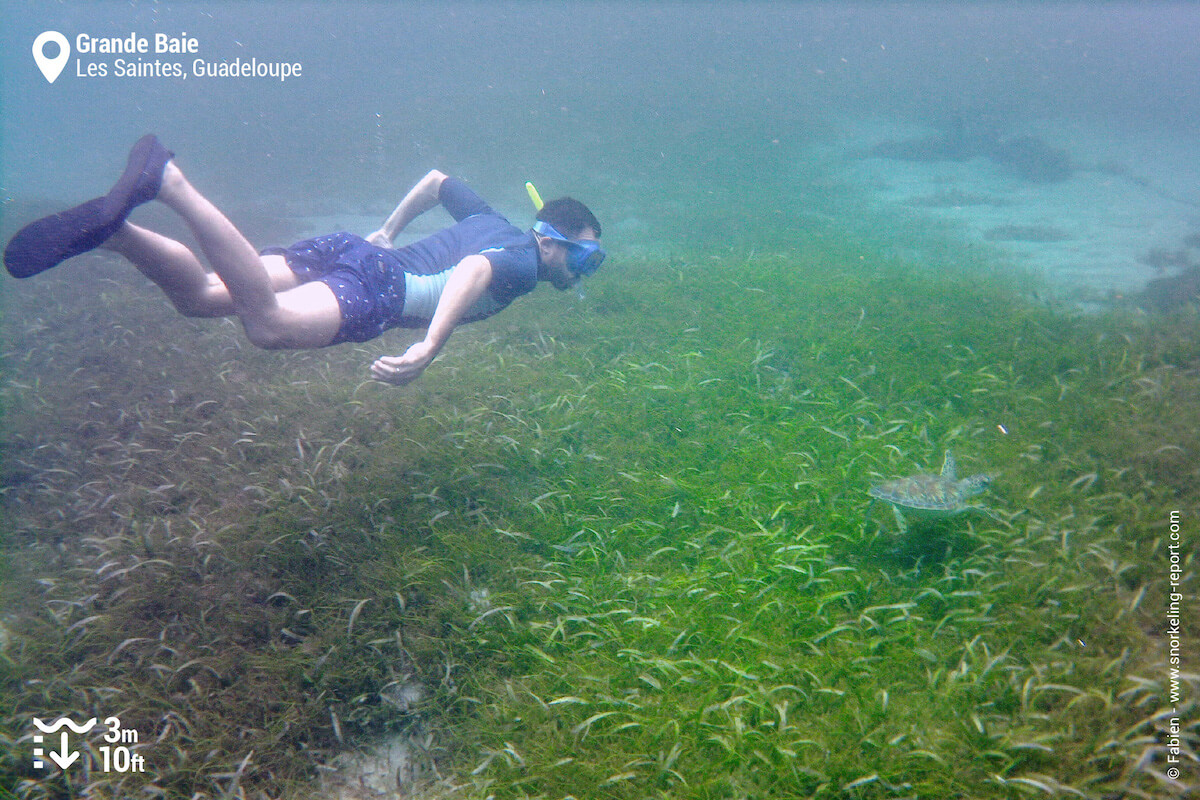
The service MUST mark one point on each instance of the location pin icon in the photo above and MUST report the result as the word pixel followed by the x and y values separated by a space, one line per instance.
pixel 51 67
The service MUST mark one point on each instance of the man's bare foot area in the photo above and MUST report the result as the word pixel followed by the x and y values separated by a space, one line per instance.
pixel 173 183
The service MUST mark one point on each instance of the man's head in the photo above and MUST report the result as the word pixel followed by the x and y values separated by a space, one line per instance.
pixel 570 217
pixel 568 235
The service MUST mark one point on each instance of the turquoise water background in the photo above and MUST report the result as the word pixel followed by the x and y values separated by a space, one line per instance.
pixel 609 100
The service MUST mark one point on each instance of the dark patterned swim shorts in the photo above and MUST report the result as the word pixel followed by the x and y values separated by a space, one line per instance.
pixel 367 280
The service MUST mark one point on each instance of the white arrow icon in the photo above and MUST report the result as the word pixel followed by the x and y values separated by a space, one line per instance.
pixel 51 67
pixel 65 758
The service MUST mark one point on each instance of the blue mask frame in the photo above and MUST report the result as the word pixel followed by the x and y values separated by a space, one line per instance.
pixel 584 256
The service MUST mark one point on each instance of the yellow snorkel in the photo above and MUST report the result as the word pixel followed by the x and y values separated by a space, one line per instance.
pixel 534 197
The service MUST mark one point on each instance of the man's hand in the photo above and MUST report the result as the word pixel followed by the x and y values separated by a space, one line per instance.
pixel 380 238
pixel 419 199
pixel 399 370
pixel 467 282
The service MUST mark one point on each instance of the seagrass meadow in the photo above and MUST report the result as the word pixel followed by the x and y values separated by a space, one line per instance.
pixel 617 546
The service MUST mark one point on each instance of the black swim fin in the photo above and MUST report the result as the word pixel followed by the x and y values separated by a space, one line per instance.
pixel 51 240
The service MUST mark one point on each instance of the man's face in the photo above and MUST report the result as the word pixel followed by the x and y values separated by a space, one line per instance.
pixel 554 260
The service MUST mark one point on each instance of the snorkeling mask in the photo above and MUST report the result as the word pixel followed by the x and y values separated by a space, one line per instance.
pixel 584 256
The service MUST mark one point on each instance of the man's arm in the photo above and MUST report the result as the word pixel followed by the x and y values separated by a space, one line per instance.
pixel 468 281
pixel 419 199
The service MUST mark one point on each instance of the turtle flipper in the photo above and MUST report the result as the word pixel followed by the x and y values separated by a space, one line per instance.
pixel 949 467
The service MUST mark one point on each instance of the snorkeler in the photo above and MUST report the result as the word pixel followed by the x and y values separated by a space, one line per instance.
pixel 331 289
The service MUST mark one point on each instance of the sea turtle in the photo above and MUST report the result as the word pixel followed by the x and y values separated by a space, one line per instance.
pixel 938 495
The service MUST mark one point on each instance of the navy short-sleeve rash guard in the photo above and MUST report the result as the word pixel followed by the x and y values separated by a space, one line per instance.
pixel 478 229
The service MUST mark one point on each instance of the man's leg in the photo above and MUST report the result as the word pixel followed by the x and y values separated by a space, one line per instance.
pixel 193 290
pixel 174 268
pixel 306 316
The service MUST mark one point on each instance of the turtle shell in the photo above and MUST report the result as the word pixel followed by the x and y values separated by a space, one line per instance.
pixel 925 492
